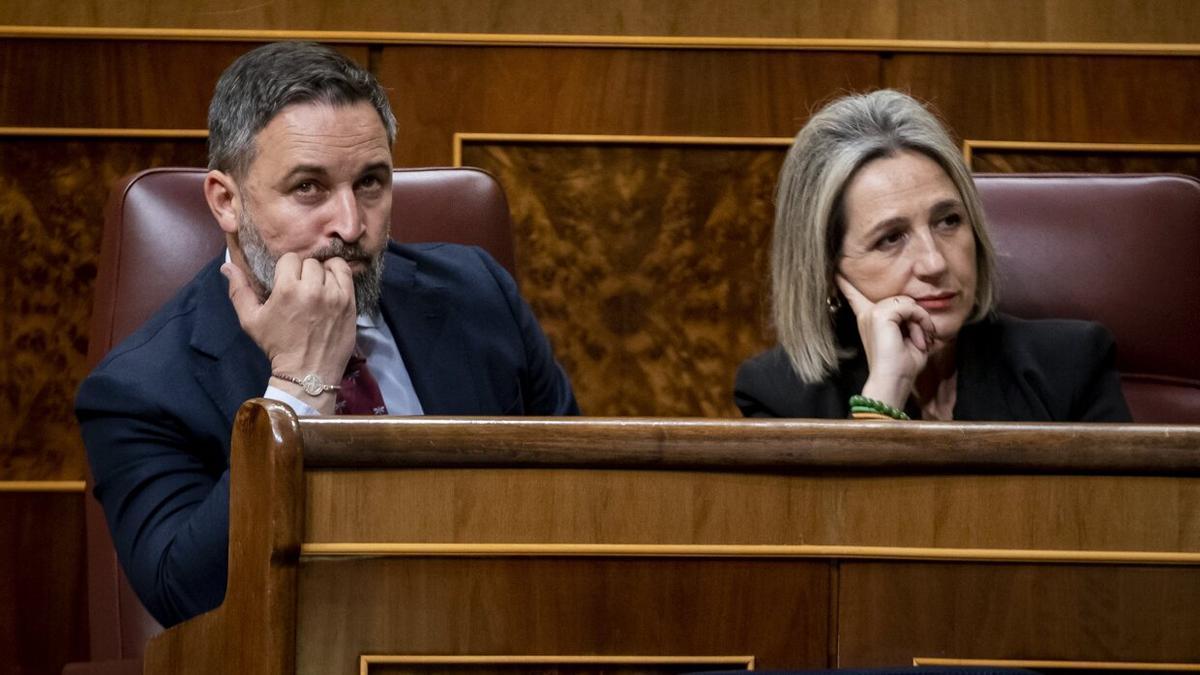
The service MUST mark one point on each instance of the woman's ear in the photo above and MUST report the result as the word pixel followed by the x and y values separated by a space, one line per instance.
pixel 224 200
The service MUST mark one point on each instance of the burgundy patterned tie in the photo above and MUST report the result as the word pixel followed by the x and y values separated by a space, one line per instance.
pixel 360 393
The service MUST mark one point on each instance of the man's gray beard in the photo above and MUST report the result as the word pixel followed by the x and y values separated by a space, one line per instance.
pixel 367 283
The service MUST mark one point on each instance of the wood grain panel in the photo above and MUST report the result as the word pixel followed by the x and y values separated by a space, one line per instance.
pixel 1057 98
pixel 892 612
pixel 52 196
pixel 678 507
pixel 1033 160
pixel 1061 20
pixel 438 91
pixel 109 83
pixel 570 606
pixel 548 665
pixel 43 608
pixel 1048 20
pixel 646 265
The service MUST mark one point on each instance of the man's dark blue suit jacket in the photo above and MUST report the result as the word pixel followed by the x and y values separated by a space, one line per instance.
pixel 157 413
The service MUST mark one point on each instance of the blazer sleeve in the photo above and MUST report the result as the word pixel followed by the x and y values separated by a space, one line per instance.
pixel 545 388
pixel 1099 398
pixel 165 499
pixel 755 391
pixel 767 386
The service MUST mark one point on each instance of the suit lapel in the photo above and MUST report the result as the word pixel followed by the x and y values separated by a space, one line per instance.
pixel 415 308
pixel 229 365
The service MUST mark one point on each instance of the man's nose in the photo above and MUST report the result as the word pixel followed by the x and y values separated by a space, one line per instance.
pixel 346 219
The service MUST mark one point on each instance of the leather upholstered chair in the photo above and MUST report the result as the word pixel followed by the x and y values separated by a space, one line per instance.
pixel 158 233
pixel 1121 249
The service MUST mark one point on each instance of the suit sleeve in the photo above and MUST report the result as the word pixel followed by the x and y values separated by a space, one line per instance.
pixel 545 388
pixel 167 507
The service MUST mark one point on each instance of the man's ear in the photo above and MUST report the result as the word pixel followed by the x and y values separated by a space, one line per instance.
pixel 224 200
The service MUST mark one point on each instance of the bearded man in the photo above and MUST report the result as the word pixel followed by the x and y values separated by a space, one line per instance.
pixel 311 305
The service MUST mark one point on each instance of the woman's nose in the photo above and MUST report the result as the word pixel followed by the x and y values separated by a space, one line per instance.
pixel 929 261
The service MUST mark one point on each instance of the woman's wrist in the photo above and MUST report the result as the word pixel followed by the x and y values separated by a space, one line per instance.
pixel 863 408
pixel 890 391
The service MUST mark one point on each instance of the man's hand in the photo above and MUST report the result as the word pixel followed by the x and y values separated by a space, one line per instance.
pixel 307 323
pixel 897 335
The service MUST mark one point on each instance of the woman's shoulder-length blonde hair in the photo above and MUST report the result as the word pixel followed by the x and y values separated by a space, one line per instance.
pixel 809 223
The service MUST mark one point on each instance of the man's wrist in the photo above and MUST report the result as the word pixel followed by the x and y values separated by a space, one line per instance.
pixel 323 402
pixel 310 383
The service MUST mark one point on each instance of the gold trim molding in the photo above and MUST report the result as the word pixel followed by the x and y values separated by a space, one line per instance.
pixel 102 132
pixel 365 661
pixel 463 137
pixel 42 486
pixel 485 550
pixel 611 41
pixel 970 146
pixel 1049 664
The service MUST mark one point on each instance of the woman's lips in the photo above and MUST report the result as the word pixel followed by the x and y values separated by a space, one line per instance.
pixel 934 303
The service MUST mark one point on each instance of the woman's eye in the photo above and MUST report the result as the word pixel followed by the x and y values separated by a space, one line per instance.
pixel 951 221
pixel 890 240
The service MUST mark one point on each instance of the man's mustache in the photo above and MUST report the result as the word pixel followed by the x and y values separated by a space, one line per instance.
pixel 340 249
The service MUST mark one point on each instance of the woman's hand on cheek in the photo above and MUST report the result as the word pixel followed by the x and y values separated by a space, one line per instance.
pixel 897 335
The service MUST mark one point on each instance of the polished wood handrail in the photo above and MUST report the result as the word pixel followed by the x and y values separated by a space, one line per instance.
pixel 751 445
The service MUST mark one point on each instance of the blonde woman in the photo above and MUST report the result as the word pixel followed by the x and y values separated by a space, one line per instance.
pixel 883 291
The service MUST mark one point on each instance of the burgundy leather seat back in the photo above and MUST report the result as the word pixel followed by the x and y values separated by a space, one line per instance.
pixel 1123 250
pixel 158 233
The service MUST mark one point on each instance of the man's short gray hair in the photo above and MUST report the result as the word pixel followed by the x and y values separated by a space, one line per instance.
pixel 810 223
pixel 264 81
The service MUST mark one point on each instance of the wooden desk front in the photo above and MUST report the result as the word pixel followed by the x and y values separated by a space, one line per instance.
pixel 632 545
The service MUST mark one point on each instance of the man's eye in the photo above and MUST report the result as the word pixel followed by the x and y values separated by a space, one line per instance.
pixel 369 183
pixel 305 187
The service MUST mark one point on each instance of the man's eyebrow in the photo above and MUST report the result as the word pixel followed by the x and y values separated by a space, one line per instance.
pixel 377 166
pixel 304 170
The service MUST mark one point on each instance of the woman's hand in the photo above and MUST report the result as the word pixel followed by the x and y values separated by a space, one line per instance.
pixel 897 335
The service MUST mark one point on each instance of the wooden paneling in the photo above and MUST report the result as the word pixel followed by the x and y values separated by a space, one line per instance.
pixel 1030 20
pixel 438 91
pixel 646 264
pixel 563 664
pixel 52 196
pixel 655 224
pixel 675 508
pixel 42 588
pixel 124 84
pixel 893 612
pixel 1057 98
pixel 515 606
pixel 1099 160
pixel 879 609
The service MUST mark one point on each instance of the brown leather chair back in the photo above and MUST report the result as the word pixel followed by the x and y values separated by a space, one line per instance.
pixel 158 233
pixel 1121 249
